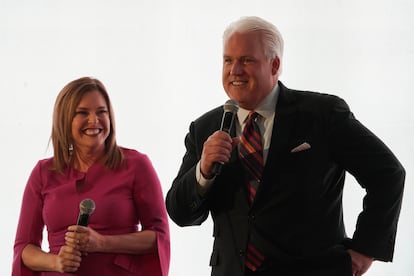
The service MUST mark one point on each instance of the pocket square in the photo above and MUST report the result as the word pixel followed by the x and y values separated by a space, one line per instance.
pixel 301 147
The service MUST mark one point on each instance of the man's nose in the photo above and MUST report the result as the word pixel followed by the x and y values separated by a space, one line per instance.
pixel 236 68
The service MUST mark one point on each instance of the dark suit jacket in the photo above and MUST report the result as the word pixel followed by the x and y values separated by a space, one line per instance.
pixel 296 218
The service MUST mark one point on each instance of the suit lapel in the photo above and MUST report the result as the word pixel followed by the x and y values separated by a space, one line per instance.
pixel 284 123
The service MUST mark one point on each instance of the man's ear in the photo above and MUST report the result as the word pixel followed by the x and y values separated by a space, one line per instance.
pixel 275 65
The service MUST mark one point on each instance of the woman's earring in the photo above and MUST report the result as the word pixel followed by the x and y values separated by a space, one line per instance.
pixel 70 149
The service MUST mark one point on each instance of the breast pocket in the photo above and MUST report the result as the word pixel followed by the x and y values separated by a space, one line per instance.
pixel 297 162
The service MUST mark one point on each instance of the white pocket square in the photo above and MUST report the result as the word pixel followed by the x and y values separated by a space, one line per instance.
pixel 301 147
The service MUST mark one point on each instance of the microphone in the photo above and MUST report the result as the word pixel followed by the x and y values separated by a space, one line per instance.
pixel 86 208
pixel 230 108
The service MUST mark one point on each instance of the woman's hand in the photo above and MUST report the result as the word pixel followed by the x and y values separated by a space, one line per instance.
pixel 84 239
pixel 68 259
pixel 87 240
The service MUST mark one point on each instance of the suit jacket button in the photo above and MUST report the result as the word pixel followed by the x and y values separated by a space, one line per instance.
pixel 241 253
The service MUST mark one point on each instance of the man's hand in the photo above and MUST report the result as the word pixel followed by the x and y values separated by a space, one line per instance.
pixel 217 148
pixel 360 262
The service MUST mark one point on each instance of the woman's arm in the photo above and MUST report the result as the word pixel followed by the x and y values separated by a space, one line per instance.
pixel 88 240
pixel 67 260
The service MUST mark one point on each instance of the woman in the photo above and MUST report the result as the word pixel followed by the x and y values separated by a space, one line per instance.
pixel 128 231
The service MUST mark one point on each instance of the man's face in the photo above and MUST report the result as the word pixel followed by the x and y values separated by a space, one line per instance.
pixel 248 76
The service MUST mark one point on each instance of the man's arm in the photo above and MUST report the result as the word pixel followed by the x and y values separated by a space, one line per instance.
pixel 379 172
pixel 184 203
pixel 205 146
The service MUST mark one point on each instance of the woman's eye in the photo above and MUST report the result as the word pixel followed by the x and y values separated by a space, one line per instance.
pixel 83 113
pixel 103 111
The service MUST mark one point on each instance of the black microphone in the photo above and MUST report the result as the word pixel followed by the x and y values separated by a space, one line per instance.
pixel 230 110
pixel 86 208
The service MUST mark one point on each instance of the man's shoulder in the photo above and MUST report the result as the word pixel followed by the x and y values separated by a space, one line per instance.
pixel 217 111
pixel 211 117
pixel 311 95
pixel 310 98
pixel 209 121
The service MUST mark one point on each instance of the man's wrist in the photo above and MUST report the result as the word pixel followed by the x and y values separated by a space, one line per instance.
pixel 203 180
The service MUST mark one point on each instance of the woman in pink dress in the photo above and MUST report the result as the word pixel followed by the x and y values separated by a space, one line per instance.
pixel 127 234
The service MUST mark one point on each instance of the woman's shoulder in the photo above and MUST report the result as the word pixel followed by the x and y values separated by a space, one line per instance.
pixel 134 158
pixel 132 154
pixel 46 162
pixel 43 168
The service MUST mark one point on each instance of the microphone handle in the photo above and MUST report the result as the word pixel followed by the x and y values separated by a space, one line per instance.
pixel 226 124
pixel 217 168
pixel 227 121
pixel 83 219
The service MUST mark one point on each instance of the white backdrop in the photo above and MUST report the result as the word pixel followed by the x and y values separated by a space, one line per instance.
pixel 161 62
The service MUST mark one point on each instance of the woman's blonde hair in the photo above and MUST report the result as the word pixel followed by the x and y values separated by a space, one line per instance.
pixel 63 113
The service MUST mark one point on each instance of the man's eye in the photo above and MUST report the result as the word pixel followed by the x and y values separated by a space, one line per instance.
pixel 247 60
pixel 227 60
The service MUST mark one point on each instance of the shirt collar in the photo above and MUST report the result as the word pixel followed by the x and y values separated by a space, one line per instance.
pixel 266 108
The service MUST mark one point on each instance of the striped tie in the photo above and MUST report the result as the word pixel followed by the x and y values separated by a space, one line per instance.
pixel 251 156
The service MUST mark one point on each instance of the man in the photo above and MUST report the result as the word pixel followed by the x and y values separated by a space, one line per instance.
pixel 277 202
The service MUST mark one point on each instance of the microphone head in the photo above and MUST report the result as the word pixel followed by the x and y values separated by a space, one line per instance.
pixel 87 206
pixel 231 106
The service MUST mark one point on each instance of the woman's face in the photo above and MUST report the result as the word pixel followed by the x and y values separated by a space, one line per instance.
pixel 91 123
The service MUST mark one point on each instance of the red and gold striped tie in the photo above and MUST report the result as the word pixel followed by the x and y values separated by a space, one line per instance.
pixel 251 156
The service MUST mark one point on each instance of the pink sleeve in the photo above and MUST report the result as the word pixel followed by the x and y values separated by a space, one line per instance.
pixel 152 212
pixel 30 225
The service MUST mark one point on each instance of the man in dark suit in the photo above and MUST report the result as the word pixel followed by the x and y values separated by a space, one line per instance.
pixel 284 216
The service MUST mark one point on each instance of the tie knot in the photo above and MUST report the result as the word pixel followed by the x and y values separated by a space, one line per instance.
pixel 253 115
